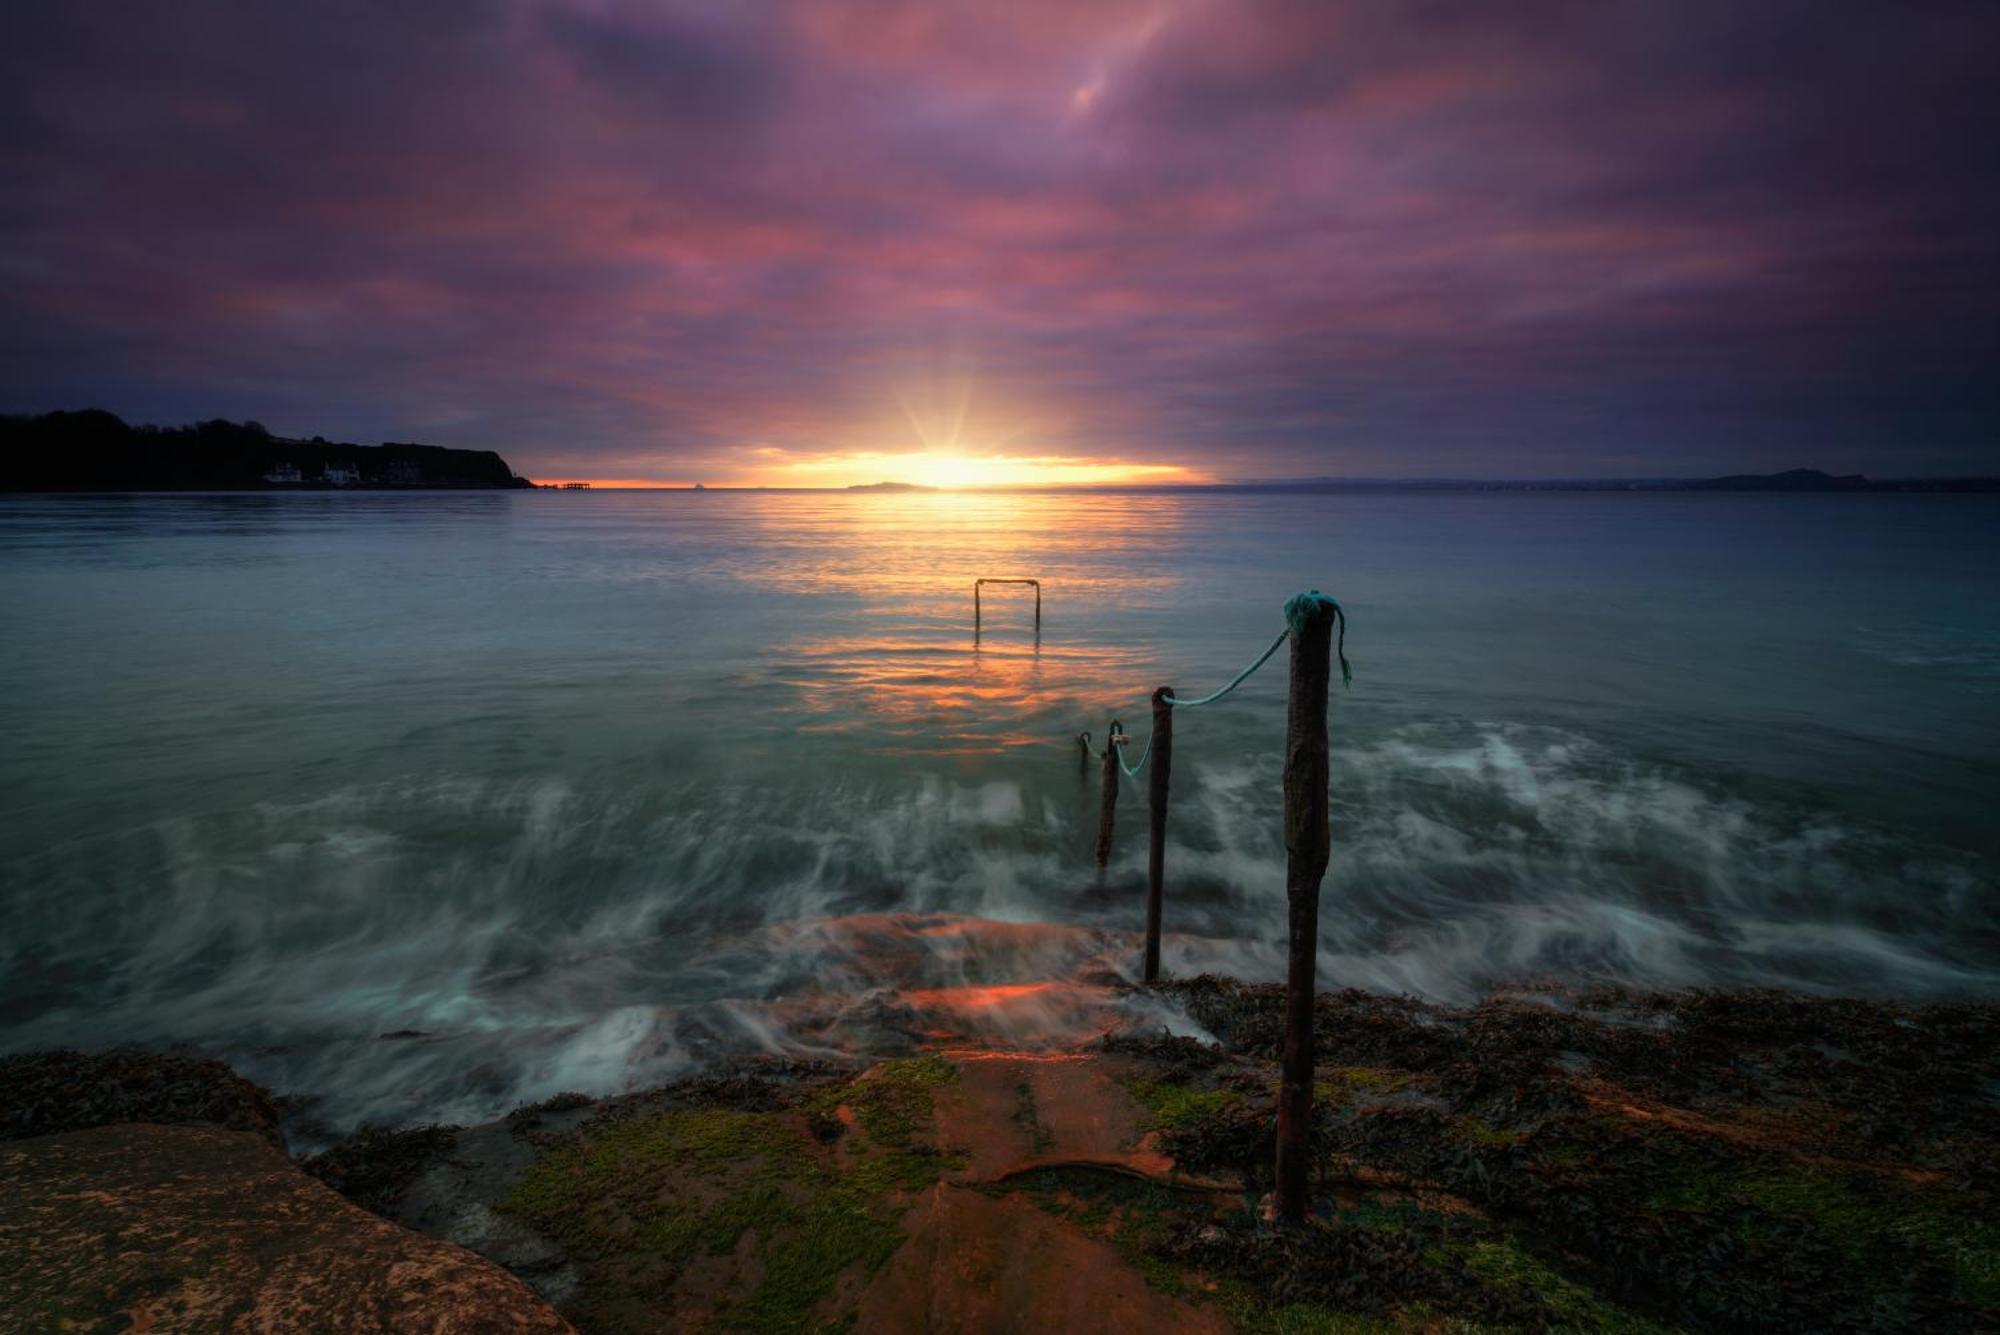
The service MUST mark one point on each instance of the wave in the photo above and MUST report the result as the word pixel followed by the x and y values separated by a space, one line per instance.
pixel 447 948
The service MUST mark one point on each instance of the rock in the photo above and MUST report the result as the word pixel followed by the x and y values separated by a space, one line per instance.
pixel 44 1093
pixel 1011 1113
pixel 453 1199
pixel 375 1165
pixel 197 1228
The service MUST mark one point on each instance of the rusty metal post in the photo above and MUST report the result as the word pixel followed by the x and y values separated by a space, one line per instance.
pixel 1307 845
pixel 978 611
pixel 1107 812
pixel 1156 810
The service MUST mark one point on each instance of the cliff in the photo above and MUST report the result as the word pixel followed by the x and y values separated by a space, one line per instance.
pixel 96 451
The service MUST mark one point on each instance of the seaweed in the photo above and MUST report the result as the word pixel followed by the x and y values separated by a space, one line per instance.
pixel 1175 1056
pixel 47 1093
pixel 375 1166
pixel 1712 1161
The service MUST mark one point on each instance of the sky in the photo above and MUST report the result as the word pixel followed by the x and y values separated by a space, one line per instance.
pixel 826 243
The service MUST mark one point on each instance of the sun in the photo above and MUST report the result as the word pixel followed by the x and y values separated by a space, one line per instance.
pixel 965 471
pixel 946 445
pixel 1041 470
pixel 950 470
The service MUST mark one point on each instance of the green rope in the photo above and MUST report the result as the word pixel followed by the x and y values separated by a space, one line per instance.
pixel 1239 679
pixel 1131 770
pixel 1298 611
pixel 1300 606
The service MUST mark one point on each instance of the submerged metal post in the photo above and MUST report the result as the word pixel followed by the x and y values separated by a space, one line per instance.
pixel 978 612
pixel 1107 811
pixel 1307 846
pixel 1156 809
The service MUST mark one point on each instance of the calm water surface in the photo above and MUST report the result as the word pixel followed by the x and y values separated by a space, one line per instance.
pixel 580 790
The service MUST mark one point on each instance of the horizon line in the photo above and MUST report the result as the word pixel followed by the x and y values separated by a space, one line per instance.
pixel 1243 484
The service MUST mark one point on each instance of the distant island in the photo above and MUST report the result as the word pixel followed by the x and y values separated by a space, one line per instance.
pixel 1795 479
pixel 889 486
pixel 95 450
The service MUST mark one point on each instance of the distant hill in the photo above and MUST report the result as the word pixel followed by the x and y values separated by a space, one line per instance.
pixel 95 450
pixel 1796 479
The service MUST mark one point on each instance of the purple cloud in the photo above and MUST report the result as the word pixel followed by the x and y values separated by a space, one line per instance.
pixel 636 240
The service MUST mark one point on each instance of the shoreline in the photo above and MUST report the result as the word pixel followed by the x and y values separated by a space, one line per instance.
pixel 1596 1158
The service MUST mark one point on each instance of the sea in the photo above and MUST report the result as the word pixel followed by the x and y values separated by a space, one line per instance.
pixel 418 806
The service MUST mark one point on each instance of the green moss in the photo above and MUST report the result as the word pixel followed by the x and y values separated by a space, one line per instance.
pixel 1348 1082
pixel 1396 1217
pixel 892 1100
pixel 1505 1266
pixel 1249 1316
pixel 1028 1117
pixel 1970 1246
pixel 1561 1159
pixel 688 1182
pixel 1810 1194
pixel 1858 1214
pixel 908 1170
pixel 1356 1084
pixel 1789 1193
pixel 841 1229
pixel 1131 1214
pixel 1483 1133
pixel 606 1195
pixel 1302 1319
pixel 1171 1105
